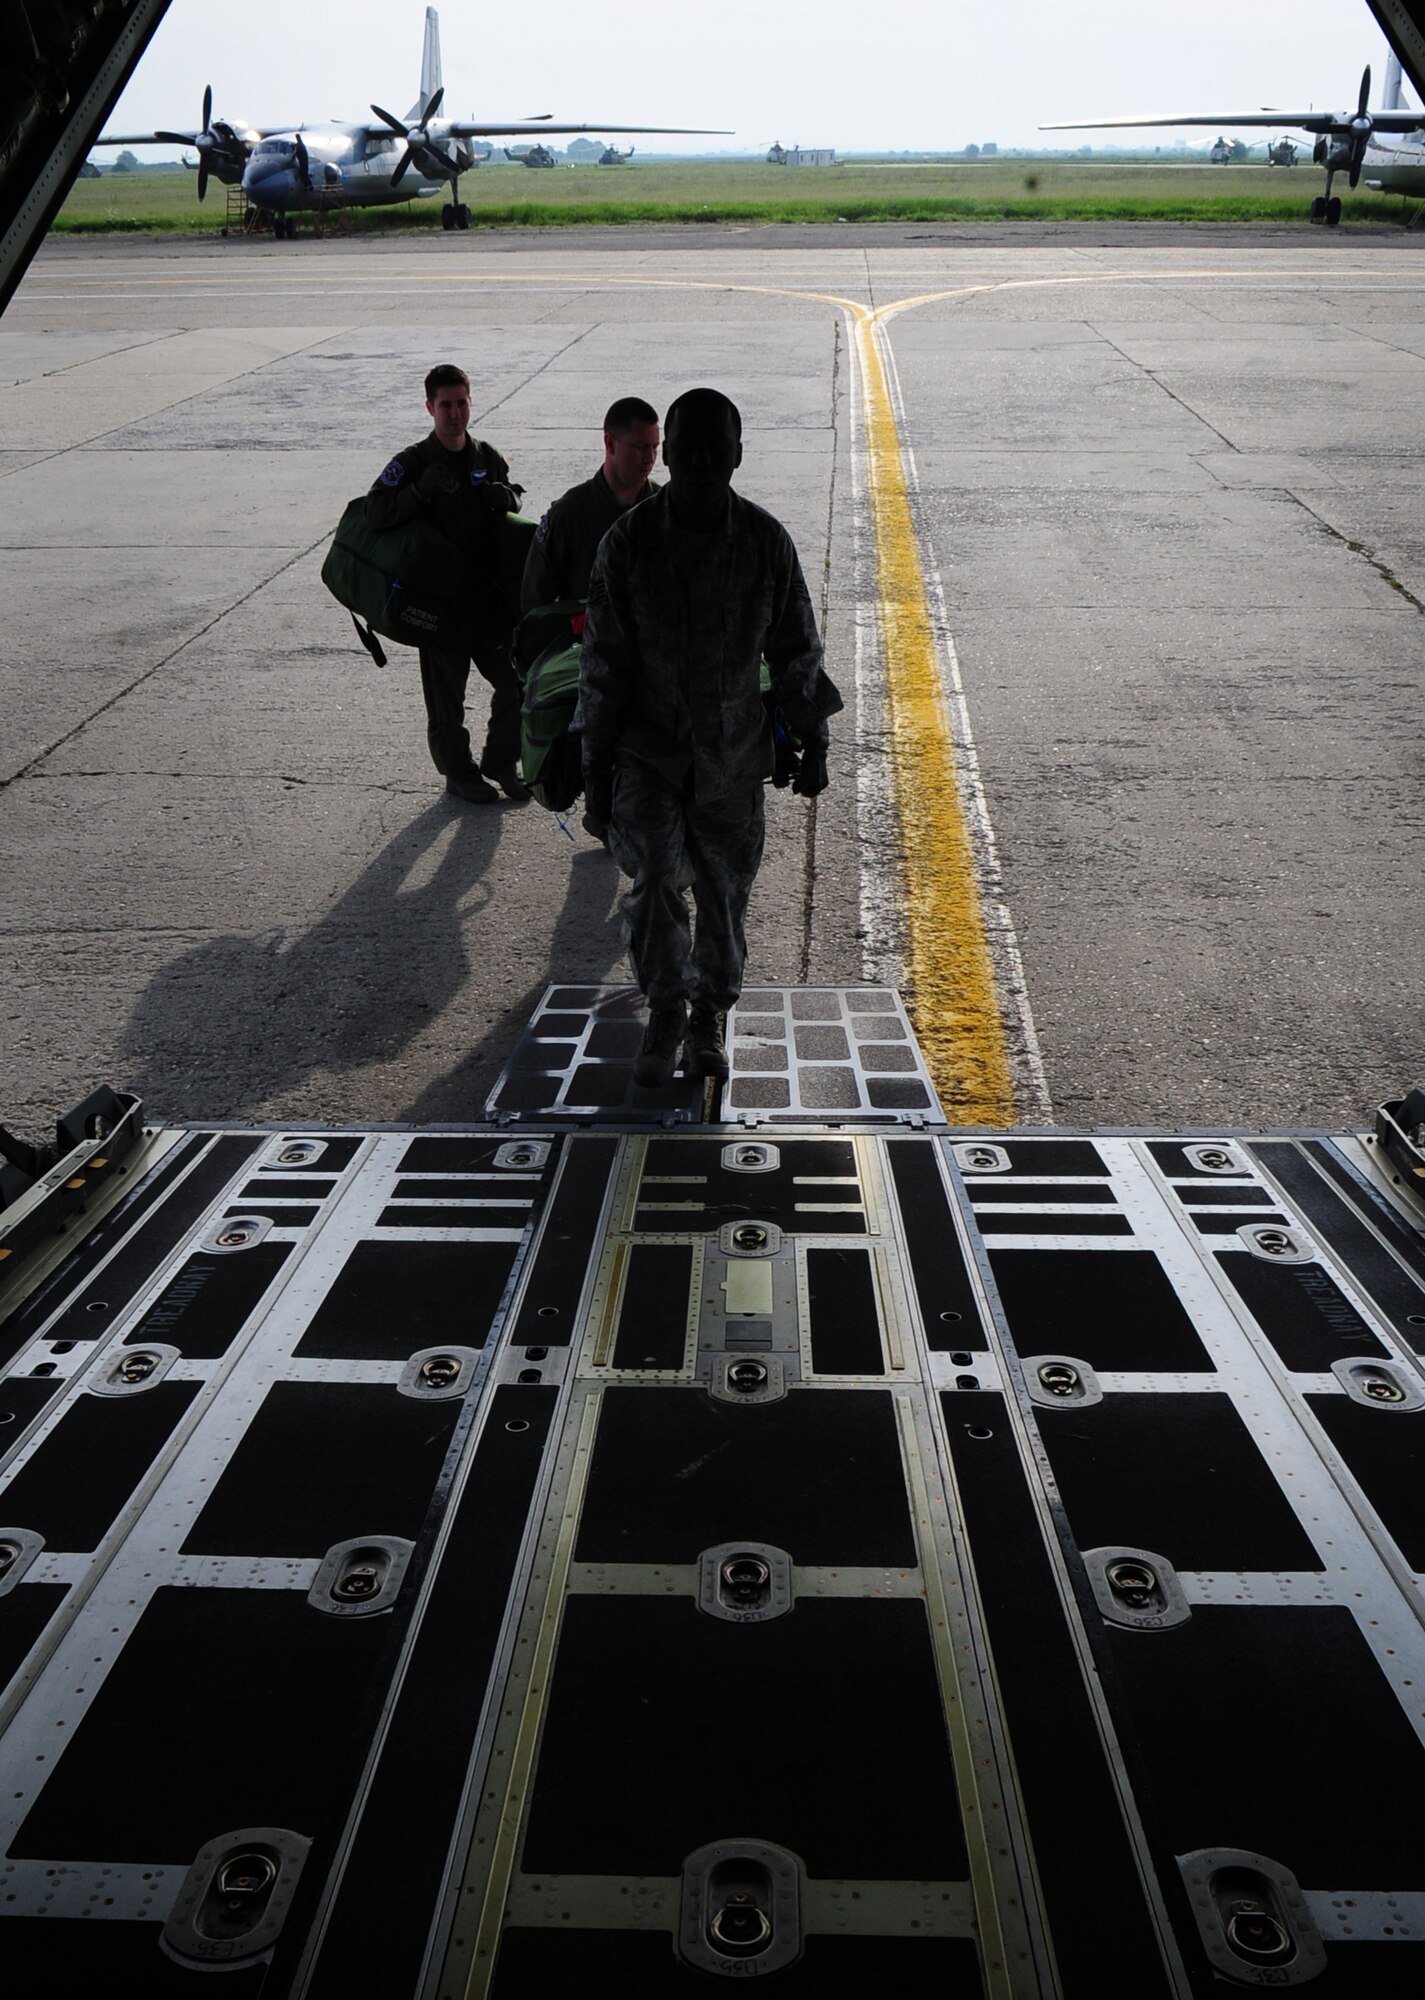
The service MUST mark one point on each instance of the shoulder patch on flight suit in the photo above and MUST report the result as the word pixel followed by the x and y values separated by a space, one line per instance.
pixel 541 533
pixel 478 473
pixel 393 475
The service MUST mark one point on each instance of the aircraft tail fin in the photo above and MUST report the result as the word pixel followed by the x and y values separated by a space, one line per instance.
pixel 430 66
pixel 1393 96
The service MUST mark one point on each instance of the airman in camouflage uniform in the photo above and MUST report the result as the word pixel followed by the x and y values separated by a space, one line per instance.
pixel 690 592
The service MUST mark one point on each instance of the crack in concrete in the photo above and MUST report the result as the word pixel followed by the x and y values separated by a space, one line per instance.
pixel 79 727
pixel 1159 383
pixel 547 363
pixel 1382 570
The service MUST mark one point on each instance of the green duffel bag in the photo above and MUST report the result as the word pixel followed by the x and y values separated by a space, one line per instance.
pixel 550 753
pixel 513 535
pixel 402 582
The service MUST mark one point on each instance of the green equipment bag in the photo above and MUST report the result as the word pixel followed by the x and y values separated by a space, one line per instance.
pixel 550 753
pixel 546 656
pixel 403 582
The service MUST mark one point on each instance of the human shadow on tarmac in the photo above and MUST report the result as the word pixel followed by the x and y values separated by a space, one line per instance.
pixel 239 1022
pixel 585 947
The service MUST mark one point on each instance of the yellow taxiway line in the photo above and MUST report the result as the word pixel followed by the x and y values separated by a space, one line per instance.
pixel 953 998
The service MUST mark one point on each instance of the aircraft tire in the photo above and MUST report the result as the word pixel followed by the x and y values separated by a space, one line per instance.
pixel 1318 209
pixel 447 220
pixel 462 216
pixel 1333 211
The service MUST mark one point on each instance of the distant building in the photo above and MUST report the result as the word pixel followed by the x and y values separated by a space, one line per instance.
pixel 779 155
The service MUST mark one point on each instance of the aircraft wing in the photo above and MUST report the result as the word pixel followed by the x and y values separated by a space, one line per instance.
pixel 470 128
pixel 247 134
pixel 1301 121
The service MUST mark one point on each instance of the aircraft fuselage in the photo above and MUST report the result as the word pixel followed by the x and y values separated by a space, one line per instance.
pixel 1395 169
pixel 331 166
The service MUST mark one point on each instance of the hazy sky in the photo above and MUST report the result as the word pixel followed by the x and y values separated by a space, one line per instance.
pixel 931 74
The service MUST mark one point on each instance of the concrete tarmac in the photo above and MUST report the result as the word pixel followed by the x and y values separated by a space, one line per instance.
pixel 1167 495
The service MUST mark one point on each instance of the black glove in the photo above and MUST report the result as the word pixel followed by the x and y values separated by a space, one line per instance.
pixel 496 498
pixel 811 778
pixel 436 482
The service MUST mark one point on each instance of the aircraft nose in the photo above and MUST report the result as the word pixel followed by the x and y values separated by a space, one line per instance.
pixel 260 171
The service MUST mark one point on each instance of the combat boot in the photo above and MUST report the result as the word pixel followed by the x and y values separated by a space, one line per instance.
pixel 509 781
pixel 472 788
pixel 706 1048
pixel 662 1039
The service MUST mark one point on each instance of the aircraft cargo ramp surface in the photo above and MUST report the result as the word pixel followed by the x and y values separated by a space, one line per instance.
pixel 636 1539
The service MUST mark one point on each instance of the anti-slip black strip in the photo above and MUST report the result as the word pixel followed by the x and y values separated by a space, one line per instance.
pixel 676 1471
pixel 209 1299
pixel 1052 1156
pixel 1059 1755
pixel 22 1397
pixel 415 1793
pixel 1323 1203
pixel 653 1319
pixel 627 1784
pixel 1115 1309
pixel 1301 1310
pixel 96 1301
pixel 1277 1722
pixel 267 1187
pixel 1008 1189
pixel 1180 1475
pixel 452 1215
pixel 841 1306
pixel 993 1223
pixel 948 1309
pixel 212 1652
pixel 459 1153
pixel 321 1462
pixel 82 1474
pixel 1384 1445
pixel 566 1243
pixel 391 1299
pixel 24 1613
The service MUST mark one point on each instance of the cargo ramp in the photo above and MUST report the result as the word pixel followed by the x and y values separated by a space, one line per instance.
pixel 758 1533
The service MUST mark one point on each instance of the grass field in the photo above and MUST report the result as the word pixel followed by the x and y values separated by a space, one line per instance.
pixel 750 192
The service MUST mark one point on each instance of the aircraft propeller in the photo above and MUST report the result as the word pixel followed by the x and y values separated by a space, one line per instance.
pixel 1362 126
pixel 417 136
pixel 213 143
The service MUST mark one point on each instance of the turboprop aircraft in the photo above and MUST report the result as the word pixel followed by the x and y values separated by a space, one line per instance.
pixel 287 169
pixel 1344 140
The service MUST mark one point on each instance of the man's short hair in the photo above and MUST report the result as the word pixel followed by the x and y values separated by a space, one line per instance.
pixel 708 403
pixel 620 417
pixel 445 375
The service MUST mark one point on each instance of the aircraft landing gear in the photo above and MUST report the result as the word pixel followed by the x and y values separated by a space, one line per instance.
pixel 284 228
pixel 455 215
pixel 1327 208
